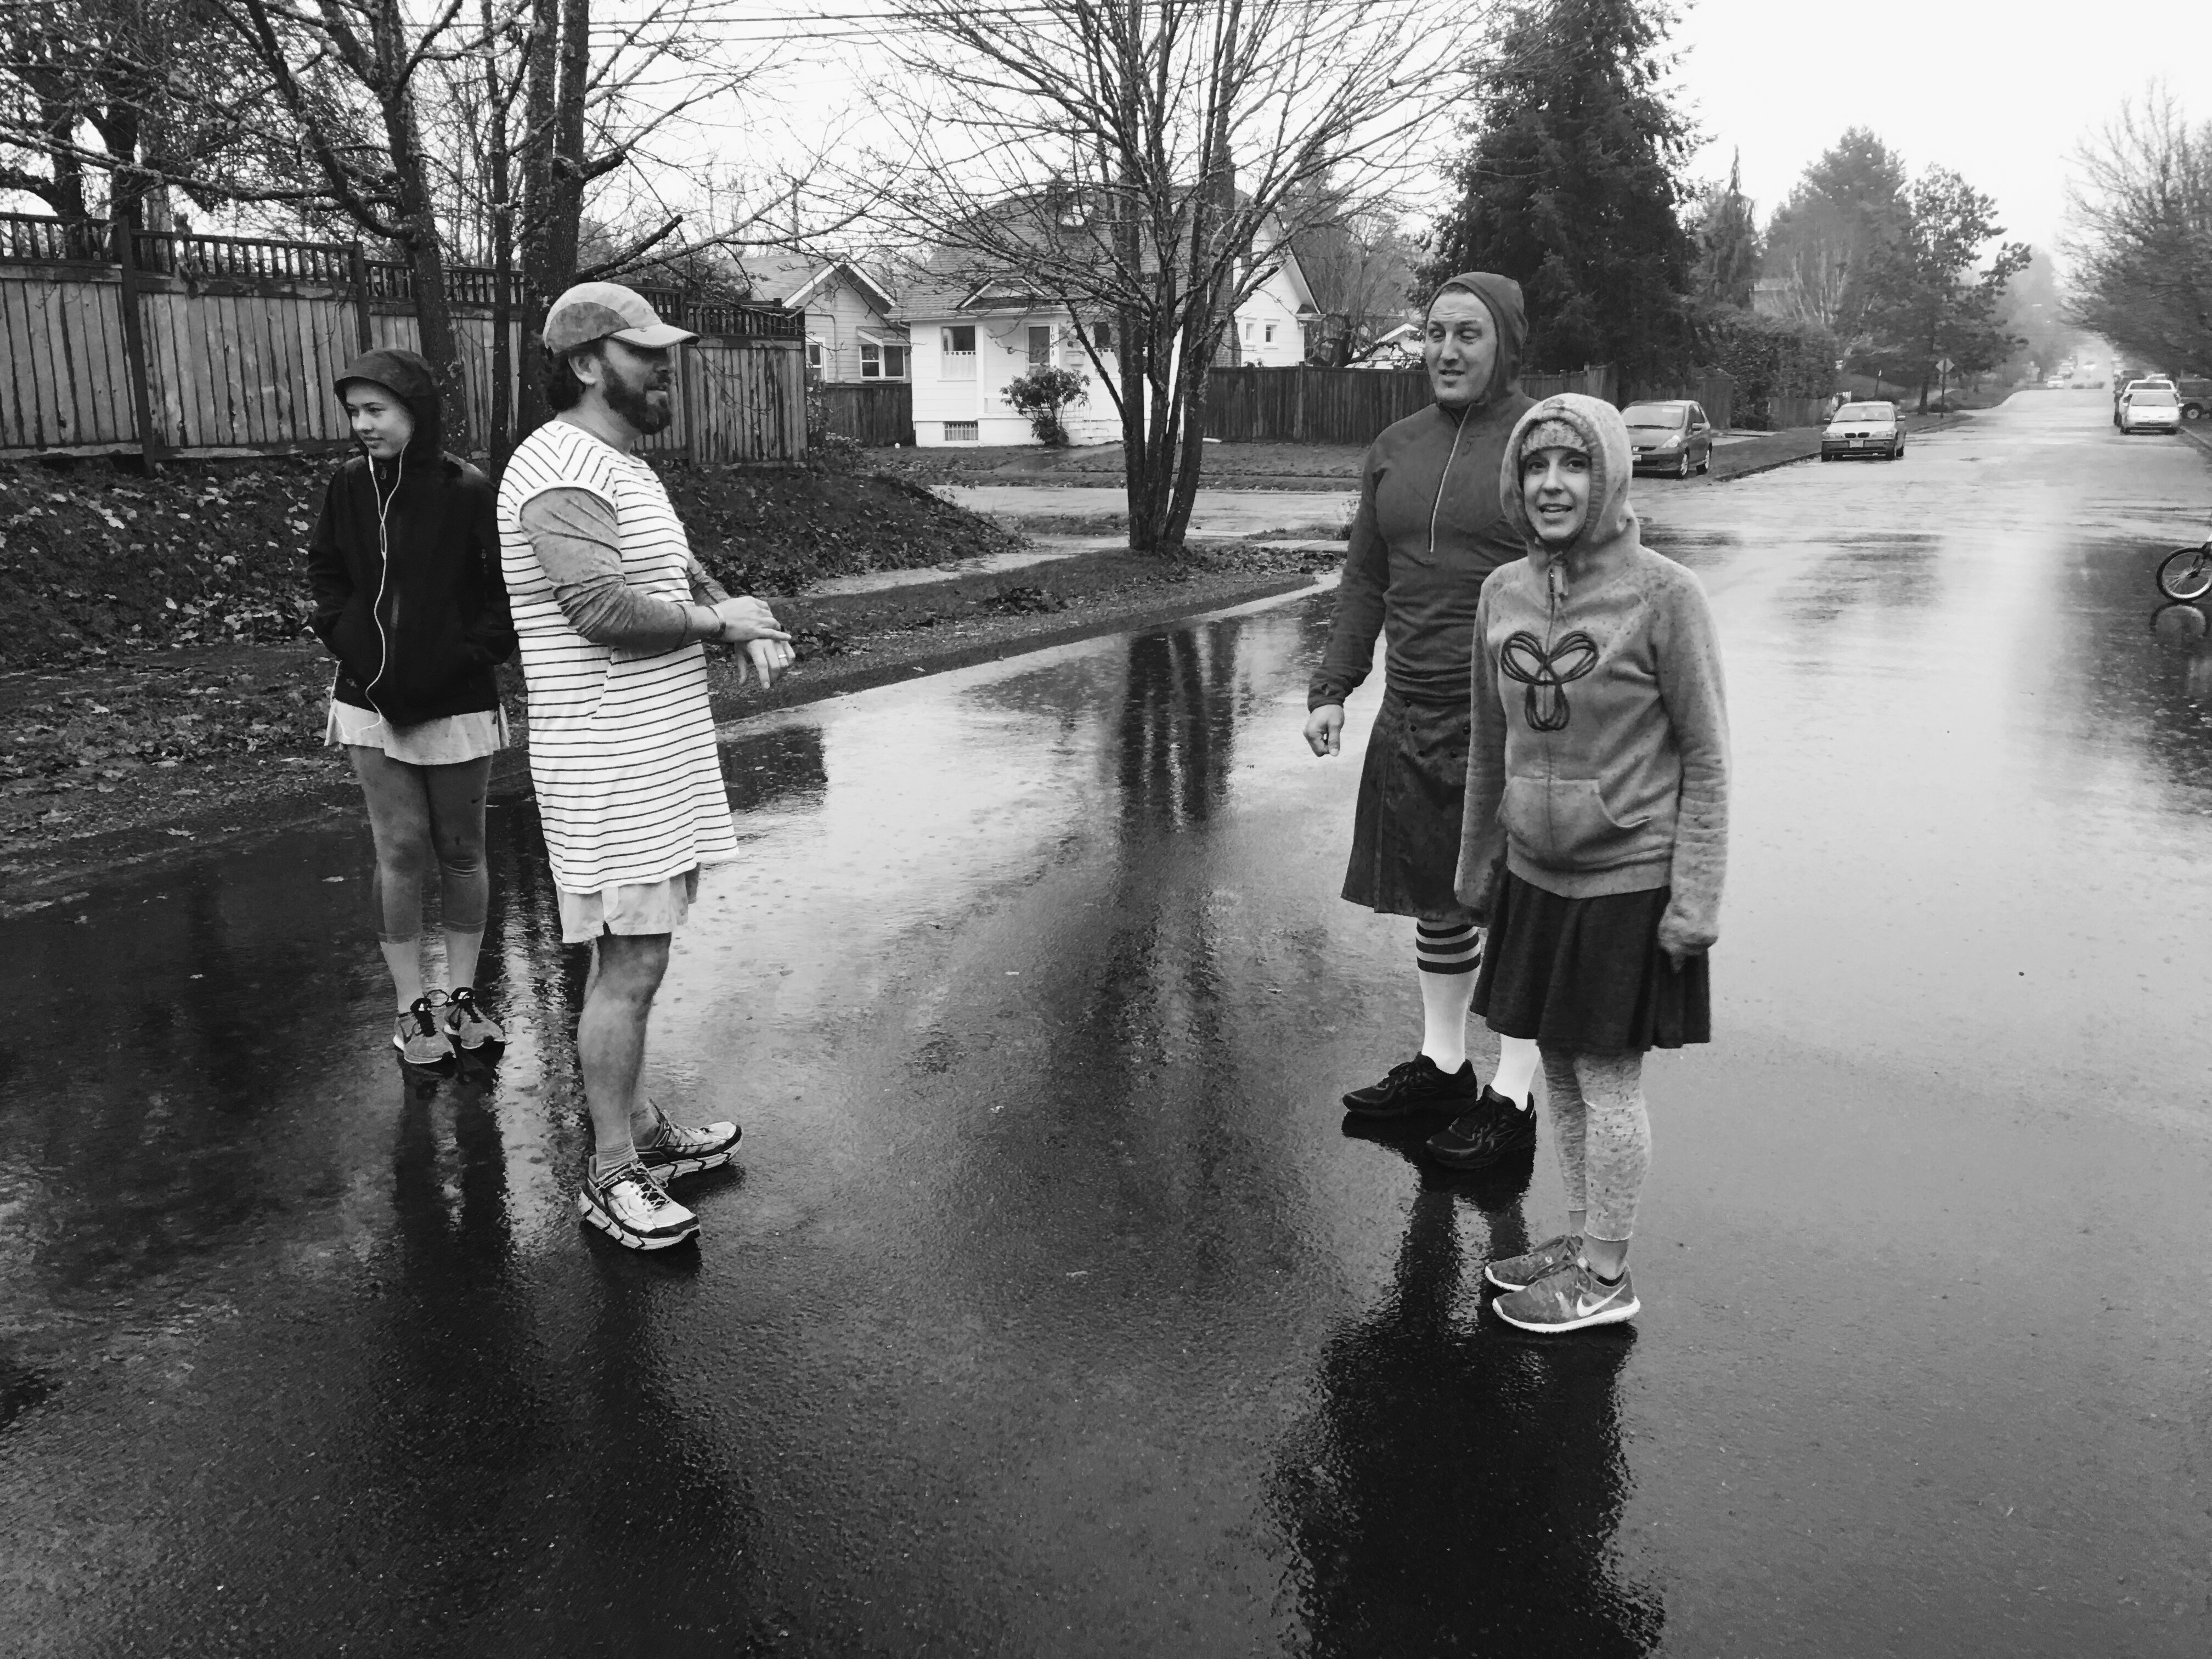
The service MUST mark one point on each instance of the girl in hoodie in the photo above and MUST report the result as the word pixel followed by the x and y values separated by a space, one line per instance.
pixel 1429 532
pixel 408 597
pixel 1595 834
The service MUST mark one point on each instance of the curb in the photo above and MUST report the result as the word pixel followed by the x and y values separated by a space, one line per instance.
pixel 102 860
pixel 1940 423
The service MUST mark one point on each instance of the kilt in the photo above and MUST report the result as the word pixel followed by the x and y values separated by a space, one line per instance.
pixel 1406 829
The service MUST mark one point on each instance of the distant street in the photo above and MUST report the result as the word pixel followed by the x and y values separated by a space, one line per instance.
pixel 1053 1311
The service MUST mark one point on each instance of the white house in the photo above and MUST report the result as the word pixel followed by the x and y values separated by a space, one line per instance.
pixel 850 333
pixel 970 340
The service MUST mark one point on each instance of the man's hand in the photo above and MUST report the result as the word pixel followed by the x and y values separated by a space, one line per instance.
pixel 746 618
pixel 1324 729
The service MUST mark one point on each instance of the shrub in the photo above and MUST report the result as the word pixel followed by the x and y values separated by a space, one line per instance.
pixel 1767 357
pixel 1042 394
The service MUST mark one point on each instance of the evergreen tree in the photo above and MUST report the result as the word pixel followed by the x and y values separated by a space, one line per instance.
pixel 1727 237
pixel 1571 183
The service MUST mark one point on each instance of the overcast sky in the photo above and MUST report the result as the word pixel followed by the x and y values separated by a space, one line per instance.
pixel 2002 93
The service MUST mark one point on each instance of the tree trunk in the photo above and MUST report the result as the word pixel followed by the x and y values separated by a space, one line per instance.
pixel 426 263
pixel 541 93
pixel 500 440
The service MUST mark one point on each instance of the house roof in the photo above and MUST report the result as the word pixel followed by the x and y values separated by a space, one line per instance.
pixel 791 279
pixel 1066 220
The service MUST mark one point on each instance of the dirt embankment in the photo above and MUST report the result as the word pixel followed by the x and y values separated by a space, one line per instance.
pixel 96 562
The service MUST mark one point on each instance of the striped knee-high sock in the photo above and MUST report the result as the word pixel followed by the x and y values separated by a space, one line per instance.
pixel 1448 947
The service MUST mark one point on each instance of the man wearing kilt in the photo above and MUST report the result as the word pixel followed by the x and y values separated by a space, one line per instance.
pixel 1428 533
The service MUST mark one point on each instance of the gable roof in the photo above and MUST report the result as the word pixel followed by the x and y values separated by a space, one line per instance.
pixel 790 278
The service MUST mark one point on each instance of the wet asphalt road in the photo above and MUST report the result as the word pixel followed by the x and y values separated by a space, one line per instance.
pixel 1054 1311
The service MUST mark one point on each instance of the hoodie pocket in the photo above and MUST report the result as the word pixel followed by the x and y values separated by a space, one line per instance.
pixel 1563 823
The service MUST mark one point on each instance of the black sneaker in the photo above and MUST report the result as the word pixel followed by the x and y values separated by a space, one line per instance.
pixel 1418 1085
pixel 1496 1128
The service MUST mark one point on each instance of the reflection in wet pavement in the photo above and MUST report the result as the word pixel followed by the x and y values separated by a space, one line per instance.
pixel 1053 1312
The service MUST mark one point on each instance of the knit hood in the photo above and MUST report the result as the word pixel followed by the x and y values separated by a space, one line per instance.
pixel 1605 439
pixel 1501 297
pixel 407 376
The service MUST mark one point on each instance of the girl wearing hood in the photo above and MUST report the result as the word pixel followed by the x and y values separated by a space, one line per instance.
pixel 1596 834
pixel 408 597
pixel 1429 532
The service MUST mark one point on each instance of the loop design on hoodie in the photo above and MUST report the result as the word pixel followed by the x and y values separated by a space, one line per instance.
pixel 1546 674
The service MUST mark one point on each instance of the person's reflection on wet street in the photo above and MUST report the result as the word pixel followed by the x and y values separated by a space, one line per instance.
pixel 1458 1486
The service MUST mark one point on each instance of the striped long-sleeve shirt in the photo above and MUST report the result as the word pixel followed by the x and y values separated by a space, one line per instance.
pixel 621 738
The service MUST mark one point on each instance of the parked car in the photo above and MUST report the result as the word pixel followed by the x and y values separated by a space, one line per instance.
pixel 1671 436
pixel 2057 383
pixel 1866 429
pixel 2150 408
pixel 2195 398
pixel 2127 386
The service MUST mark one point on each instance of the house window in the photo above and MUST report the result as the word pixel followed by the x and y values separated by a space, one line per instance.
pixel 1103 332
pixel 1247 334
pixel 957 361
pixel 961 431
pixel 881 362
pixel 1040 347
pixel 813 355
pixel 1270 334
pixel 894 362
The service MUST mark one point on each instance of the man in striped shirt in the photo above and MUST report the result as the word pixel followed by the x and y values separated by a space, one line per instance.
pixel 614 614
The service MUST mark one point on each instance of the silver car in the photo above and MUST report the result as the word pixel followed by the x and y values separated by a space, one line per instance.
pixel 1864 430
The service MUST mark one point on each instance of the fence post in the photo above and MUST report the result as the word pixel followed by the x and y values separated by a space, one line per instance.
pixel 357 265
pixel 134 349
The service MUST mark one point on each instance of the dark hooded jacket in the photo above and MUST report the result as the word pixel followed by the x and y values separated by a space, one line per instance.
pixel 404 566
pixel 1429 531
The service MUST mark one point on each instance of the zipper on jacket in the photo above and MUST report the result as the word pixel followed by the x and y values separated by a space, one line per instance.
pixel 383 570
pixel 1443 478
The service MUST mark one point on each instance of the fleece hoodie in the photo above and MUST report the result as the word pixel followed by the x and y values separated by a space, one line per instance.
pixel 1429 531
pixel 1598 760
pixel 404 566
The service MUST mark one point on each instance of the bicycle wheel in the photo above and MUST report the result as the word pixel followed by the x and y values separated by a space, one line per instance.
pixel 2186 574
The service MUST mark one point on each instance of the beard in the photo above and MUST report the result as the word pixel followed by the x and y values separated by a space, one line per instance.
pixel 634 401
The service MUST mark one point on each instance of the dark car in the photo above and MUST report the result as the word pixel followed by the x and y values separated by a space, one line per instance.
pixel 1671 436
pixel 2195 398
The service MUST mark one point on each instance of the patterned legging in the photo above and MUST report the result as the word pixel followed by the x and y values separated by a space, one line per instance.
pixel 1604 1135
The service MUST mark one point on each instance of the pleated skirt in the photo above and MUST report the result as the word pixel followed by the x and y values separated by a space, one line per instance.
pixel 1587 974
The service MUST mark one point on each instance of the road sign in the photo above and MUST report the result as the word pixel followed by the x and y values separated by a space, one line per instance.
pixel 1944 366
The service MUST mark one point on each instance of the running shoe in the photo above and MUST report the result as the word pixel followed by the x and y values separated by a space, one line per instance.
pixel 1495 1128
pixel 628 1204
pixel 1415 1086
pixel 1569 1300
pixel 1517 1273
pixel 680 1150
pixel 467 1023
pixel 416 1033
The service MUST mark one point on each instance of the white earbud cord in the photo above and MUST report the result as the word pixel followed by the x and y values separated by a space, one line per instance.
pixel 384 563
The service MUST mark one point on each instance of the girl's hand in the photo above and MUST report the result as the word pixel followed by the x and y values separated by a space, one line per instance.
pixel 1324 729
pixel 769 657
pixel 1680 940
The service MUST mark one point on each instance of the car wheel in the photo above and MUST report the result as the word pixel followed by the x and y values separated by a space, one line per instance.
pixel 1705 465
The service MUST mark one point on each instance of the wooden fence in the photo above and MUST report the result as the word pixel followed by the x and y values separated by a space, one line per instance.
pixel 225 345
pixel 1344 405
pixel 877 414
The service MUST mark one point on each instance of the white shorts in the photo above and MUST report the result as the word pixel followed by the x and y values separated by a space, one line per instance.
pixel 644 907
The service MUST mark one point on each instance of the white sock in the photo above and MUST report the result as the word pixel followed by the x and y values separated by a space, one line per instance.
pixel 1444 998
pixel 1517 1070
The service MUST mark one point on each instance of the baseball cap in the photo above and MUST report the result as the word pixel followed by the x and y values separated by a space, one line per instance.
pixel 600 310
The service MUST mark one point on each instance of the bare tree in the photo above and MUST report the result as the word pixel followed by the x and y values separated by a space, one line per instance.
pixel 1142 163
pixel 2141 235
